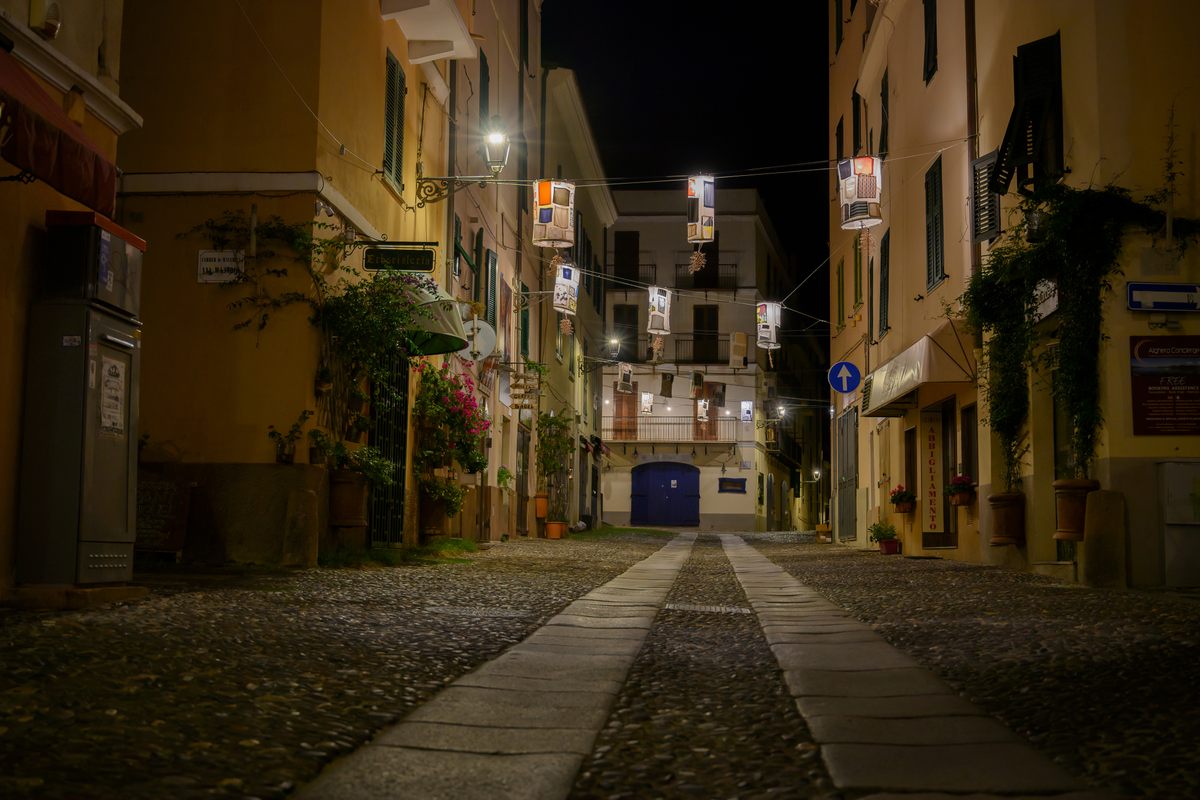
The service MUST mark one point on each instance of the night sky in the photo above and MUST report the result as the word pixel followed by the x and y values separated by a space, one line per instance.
pixel 673 88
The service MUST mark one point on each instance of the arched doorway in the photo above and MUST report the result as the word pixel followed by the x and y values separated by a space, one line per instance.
pixel 665 493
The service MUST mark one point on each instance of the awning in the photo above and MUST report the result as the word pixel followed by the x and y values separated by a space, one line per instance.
pixel 38 137
pixel 438 325
pixel 945 356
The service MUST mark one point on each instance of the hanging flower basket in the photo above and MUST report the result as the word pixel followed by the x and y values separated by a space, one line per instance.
pixel 903 500
pixel 961 490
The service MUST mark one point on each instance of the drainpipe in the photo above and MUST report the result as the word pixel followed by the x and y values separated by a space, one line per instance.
pixel 972 112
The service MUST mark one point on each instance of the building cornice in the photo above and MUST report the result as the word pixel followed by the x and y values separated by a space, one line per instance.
pixel 59 71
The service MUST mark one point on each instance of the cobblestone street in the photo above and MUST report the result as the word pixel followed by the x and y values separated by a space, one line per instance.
pixel 707 668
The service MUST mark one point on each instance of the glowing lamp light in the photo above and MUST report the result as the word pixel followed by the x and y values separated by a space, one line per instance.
pixel 701 209
pixel 495 147
pixel 659 320
pixel 767 315
pixel 860 189
pixel 566 289
pixel 553 213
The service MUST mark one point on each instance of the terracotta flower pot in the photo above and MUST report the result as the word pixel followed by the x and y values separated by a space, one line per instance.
pixel 347 499
pixel 1008 518
pixel 962 498
pixel 889 547
pixel 555 530
pixel 905 507
pixel 1070 507
pixel 541 504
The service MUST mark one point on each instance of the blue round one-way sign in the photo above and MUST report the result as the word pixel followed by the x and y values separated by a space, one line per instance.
pixel 844 377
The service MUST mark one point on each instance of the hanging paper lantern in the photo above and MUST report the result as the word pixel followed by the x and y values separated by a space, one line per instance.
pixel 566 288
pixel 697 389
pixel 702 410
pixel 647 402
pixel 768 325
pixel 860 188
pixel 701 210
pixel 624 378
pixel 553 213
pixel 659 320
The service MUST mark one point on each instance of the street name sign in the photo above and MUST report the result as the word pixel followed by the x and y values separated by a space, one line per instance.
pixel 1163 296
pixel 408 260
pixel 844 377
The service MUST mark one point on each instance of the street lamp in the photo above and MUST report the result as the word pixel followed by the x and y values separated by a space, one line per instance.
pixel 496 147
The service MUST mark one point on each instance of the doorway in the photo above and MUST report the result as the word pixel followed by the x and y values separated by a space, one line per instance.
pixel 847 478
pixel 665 493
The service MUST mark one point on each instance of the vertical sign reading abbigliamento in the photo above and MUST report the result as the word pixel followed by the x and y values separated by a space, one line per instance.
pixel 930 502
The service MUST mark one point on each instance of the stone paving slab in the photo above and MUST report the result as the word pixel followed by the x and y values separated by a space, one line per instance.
pixel 498 732
pixel 830 637
pixel 488 739
pixel 924 731
pixel 850 657
pixel 915 705
pixel 990 767
pixel 1085 795
pixel 865 683
pixel 378 771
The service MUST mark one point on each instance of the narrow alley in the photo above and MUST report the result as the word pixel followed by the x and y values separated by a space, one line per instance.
pixel 706 665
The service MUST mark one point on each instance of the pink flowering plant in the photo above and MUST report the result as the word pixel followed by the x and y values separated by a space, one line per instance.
pixel 960 484
pixel 451 428
pixel 902 495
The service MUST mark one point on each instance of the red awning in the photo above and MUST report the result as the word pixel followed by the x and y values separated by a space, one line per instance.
pixel 37 136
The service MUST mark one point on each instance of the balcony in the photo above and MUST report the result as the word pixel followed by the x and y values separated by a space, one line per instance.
pixel 714 276
pixel 646 273
pixel 654 429
pixel 678 349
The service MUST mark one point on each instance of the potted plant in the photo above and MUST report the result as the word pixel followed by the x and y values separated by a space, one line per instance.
pixel 354 471
pixel 322 381
pixel 884 533
pixel 451 428
pixel 320 447
pixel 554 451
pixel 960 490
pixel 285 443
pixel 903 500
pixel 503 478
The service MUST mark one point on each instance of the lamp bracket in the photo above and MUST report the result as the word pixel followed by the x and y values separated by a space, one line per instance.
pixel 436 189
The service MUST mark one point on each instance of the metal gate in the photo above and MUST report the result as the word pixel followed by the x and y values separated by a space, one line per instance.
pixel 847 480
pixel 390 435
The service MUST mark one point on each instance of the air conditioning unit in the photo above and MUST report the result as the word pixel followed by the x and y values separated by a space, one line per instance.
pixel 737 350
pixel 860 189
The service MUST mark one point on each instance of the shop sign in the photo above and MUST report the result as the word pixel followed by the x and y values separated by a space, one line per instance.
pixel 929 502
pixel 1165 381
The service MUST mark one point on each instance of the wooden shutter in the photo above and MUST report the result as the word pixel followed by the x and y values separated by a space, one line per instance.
pixel 985 204
pixel 930 39
pixel 1034 136
pixel 935 267
pixel 841 292
pixel 393 122
pixel 485 85
pixel 491 287
pixel 625 413
pixel 840 141
pixel 883 115
pixel 885 257
pixel 858 264
pixel 856 120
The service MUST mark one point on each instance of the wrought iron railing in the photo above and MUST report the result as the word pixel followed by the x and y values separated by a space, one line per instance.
pixel 711 276
pixel 653 428
pixel 712 349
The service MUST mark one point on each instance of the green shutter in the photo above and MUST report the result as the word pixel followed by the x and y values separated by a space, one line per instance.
pixel 885 257
pixel 485 83
pixel 858 278
pixel 935 252
pixel 841 292
pixel 884 113
pixel 491 287
pixel 393 122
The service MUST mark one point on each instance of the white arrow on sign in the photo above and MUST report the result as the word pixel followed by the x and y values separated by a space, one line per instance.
pixel 844 375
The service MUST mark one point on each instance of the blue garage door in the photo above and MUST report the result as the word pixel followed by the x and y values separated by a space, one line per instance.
pixel 665 493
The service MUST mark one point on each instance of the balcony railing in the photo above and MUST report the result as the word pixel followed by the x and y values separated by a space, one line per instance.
pixel 701 349
pixel 712 276
pixel 646 273
pixel 650 428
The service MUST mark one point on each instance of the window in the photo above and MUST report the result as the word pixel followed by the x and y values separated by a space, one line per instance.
pixel 491 288
pixel 625 328
pixel 858 281
pixel 1033 142
pixel 524 24
pixel 485 85
pixel 841 292
pixel 935 245
pixel 837 25
pixel 856 120
pixel 930 39
pixel 570 342
pixel 393 123
pixel 626 246
pixel 840 141
pixel 883 116
pixel 525 321
pixel 885 251
pixel 985 203
pixel 970 442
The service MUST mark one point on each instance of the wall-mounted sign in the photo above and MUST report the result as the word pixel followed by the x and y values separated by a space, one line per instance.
pixel 1165 381
pixel 1163 296
pixel 413 258
pixel 220 266
pixel 844 377
pixel 929 499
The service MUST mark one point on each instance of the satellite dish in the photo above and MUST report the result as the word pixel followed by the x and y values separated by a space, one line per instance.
pixel 481 340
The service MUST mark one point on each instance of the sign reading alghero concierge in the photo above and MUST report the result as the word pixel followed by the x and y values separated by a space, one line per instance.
pixel 220 266
pixel 399 258
pixel 929 502
pixel 1165 380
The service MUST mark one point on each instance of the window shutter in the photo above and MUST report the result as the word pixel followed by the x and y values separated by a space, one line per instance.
pixel 985 204
pixel 393 121
pixel 885 257
pixel 883 116
pixel 930 39
pixel 491 287
pixel 856 120
pixel 858 282
pixel 841 292
pixel 840 140
pixel 837 23
pixel 1034 136
pixel 485 83
pixel 934 234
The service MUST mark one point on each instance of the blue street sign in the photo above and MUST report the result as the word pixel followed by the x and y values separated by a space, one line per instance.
pixel 844 377
pixel 1163 296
